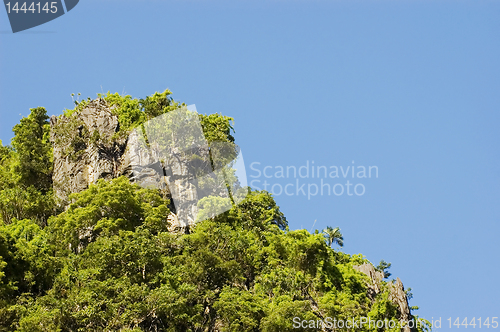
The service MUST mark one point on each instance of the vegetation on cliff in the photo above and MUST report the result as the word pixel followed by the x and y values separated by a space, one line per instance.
pixel 107 262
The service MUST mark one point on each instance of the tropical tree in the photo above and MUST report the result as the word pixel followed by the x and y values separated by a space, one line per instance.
pixel 383 267
pixel 333 235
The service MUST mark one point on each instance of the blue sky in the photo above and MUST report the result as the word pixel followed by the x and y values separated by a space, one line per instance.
pixel 412 87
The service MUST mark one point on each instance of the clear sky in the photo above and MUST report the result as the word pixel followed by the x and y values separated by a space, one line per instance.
pixel 412 87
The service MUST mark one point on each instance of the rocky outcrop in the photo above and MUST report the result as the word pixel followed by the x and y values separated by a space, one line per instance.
pixel 398 296
pixel 89 146
pixel 396 293
pixel 375 276
pixel 85 148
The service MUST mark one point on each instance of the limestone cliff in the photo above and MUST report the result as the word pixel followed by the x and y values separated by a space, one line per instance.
pixel 85 149
pixel 89 145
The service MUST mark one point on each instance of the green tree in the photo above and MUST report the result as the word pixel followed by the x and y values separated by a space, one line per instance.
pixel 4 152
pixel 383 267
pixel 158 104
pixel 333 235
pixel 106 208
pixel 26 172
pixel 34 150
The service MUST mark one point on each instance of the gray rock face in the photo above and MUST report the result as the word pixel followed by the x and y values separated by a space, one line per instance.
pixel 88 147
pixel 397 294
pixel 144 166
pixel 140 165
pixel 85 149
pixel 375 276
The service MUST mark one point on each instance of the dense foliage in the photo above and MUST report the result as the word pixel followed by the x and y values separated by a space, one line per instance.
pixel 26 171
pixel 108 262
